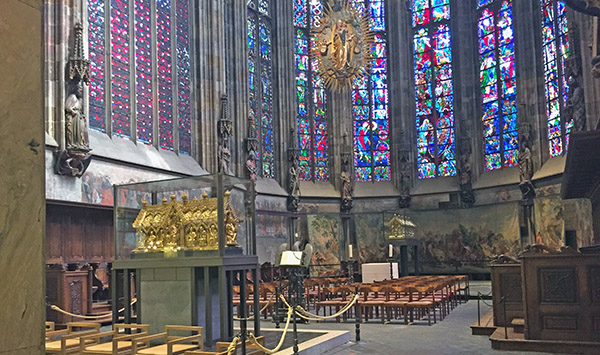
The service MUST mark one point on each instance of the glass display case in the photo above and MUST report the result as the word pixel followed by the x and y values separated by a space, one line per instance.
pixel 200 216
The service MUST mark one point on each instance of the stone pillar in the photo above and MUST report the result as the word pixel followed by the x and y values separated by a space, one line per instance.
pixel 210 64
pixel 22 201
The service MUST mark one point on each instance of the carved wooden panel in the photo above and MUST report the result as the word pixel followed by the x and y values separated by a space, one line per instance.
pixel 558 285
pixel 511 287
pixel 595 283
pixel 559 323
pixel 78 234
pixel 76 295
pixel 559 290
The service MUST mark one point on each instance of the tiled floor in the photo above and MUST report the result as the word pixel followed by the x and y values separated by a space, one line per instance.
pixel 450 336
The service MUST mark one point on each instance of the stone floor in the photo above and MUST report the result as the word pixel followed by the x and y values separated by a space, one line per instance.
pixel 450 336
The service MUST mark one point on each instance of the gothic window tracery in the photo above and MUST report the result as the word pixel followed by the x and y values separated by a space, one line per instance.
pixel 311 118
pixel 555 51
pixel 498 84
pixel 370 104
pixel 144 48
pixel 260 84
pixel 434 93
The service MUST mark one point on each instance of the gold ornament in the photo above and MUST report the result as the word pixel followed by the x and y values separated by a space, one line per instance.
pixel 344 46
pixel 190 225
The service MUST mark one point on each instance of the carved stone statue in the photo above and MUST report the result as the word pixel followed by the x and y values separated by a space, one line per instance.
pixel 293 187
pixel 224 159
pixel 347 190
pixel 75 130
pixel 525 164
pixel 575 103
pixel 251 169
pixel 466 188
pixel 526 173
pixel 405 198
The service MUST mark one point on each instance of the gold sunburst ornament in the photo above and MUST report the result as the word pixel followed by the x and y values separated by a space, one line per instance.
pixel 344 43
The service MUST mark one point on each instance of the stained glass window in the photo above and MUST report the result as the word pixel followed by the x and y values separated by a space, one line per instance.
pixel 498 84
pixel 119 49
pixel 143 71
pixel 165 75
pixel 370 104
pixel 156 58
pixel 260 84
pixel 184 102
pixel 310 117
pixel 555 50
pixel 434 93
pixel 97 42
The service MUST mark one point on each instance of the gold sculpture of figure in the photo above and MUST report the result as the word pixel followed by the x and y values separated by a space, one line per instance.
pixel 231 222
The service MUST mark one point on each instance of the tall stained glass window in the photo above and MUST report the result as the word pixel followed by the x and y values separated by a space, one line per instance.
pixel 555 47
pixel 184 99
pixel 498 84
pixel 119 49
pixel 155 58
pixel 143 70
pixel 370 104
pixel 434 93
pixel 260 83
pixel 97 43
pixel 310 117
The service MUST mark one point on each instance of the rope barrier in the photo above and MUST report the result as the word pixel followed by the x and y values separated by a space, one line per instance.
pixel 231 348
pixel 58 309
pixel 253 340
pixel 259 312
pixel 315 317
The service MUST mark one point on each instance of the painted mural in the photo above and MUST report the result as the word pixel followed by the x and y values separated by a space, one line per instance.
pixel 549 222
pixel 324 233
pixel 454 240
pixel 372 244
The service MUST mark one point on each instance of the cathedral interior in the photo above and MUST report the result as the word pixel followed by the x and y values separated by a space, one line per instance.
pixel 165 155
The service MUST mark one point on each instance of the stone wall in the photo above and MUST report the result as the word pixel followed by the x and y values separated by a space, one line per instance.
pixel 22 204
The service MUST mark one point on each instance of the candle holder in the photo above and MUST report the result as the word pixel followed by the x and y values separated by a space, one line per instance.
pixel 391 261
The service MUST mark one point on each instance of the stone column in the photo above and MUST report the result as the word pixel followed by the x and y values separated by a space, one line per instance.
pixel 22 201
pixel 210 64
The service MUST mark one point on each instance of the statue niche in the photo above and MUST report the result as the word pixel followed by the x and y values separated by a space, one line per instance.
pixel 74 158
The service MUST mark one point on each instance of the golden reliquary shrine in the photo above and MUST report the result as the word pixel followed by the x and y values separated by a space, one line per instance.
pixel 186 224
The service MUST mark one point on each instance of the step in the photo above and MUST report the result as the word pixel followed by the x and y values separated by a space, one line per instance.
pixel 518 325
pixel 517 342
pixel 486 324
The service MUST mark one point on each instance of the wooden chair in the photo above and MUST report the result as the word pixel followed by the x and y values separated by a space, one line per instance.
pixel 172 343
pixel 120 343
pixel 66 341
pixel 222 346
pixel 50 326
pixel 426 302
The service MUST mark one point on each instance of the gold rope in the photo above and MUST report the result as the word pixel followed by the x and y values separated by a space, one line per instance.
pixel 58 309
pixel 253 340
pixel 232 346
pixel 315 317
pixel 259 312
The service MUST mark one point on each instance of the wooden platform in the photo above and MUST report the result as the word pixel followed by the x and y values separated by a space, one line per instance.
pixel 517 342
pixel 486 326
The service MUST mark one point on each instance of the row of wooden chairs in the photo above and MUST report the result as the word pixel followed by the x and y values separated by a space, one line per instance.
pixel 399 298
pixel 86 338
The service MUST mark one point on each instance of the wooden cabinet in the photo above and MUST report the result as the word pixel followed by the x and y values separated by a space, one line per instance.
pixel 69 290
pixel 506 287
pixel 562 296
